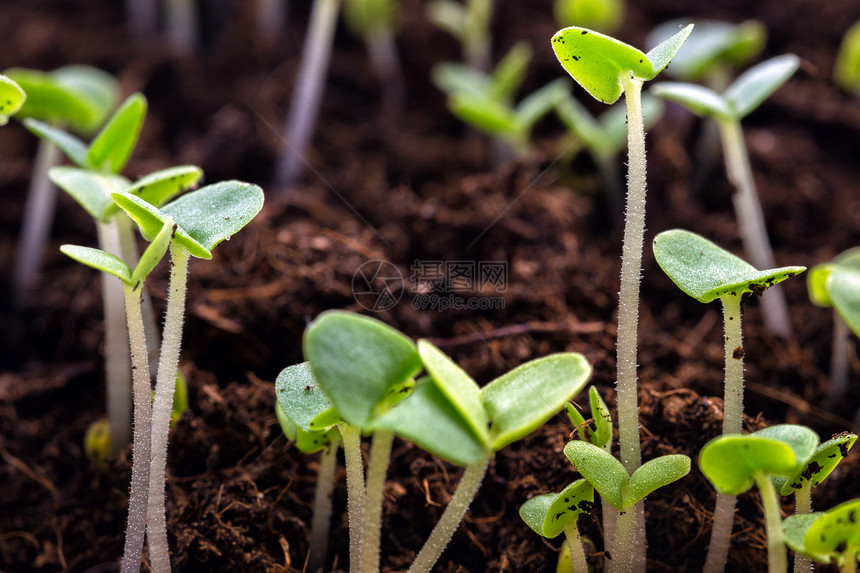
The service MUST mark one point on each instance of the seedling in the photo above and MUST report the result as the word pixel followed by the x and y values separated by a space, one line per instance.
pixel 846 72
pixel 606 68
pixel 469 24
pixel 733 463
pixel 12 98
pixel 307 94
pixel 485 101
pixel 827 536
pixel 201 219
pixel 604 16
pixel 736 102
pixel 551 514
pixel 308 418
pixel 836 284
pixel 707 272
pixel 80 98
pixel 375 22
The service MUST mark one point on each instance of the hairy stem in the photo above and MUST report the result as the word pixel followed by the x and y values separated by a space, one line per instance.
pixel 164 387
pixel 320 524
pixel 574 543
pixel 622 545
pixel 355 492
pixel 308 91
pixel 777 561
pixel 803 505
pixel 451 517
pixel 137 503
pixel 380 453
pixel 751 223
pixel 721 534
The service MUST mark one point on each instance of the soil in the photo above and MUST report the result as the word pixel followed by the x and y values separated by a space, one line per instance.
pixel 415 186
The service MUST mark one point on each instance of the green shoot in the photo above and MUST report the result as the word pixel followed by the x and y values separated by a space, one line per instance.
pixel 846 72
pixel 733 463
pixel 469 24
pixel 12 98
pixel 604 16
pixel 736 102
pixel 375 21
pixel 553 513
pixel 836 284
pixel 827 536
pixel 606 68
pixel 706 272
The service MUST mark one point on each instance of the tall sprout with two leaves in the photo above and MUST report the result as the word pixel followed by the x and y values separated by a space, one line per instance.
pixel 728 109
pixel 828 536
pixel 606 68
pixel 707 272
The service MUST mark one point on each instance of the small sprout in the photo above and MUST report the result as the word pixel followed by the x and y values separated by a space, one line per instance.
pixel 820 464
pixel 469 24
pixel 601 15
pixel 830 535
pixel 12 98
pixel 597 430
pixel 846 72
pixel 97 446
pixel 375 22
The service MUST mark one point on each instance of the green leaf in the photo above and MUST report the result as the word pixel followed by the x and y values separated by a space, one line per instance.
pixel 706 271
pixel 159 187
pixel 12 98
pixel 99 260
pixel 449 16
pixel 836 532
pixel 509 73
pixel 653 475
pixel 698 99
pixel 357 360
pixel 822 462
pixel 451 78
pixel 76 96
pixel 149 219
pixel 523 399
pixel 549 514
pixel 491 117
pixel 756 84
pixel 110 149
pixel 287 426
pixel 663 52
pixel 816 284
pixel 795 528
pixel 458 387
pixel 540 102
pixel 802 440
pixel 602 471
pixel 596 61
pixel 312 442
pixel 301 397
pixel 846 71
pixel 731 462
pixel 74 148
pixel 843 286
pixel 154 253
pixel 431 421
pixel 599 431
pixel 602 15
pixel 91 190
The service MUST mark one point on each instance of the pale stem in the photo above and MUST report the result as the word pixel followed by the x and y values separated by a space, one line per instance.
pixel 477 49
pixel 137 502
pixel 385 61
pixel 849 559
pixel 803 505
pixel 733 400
pixel 451 517
pixel 777 560
pixel 377 467
pixel 622 545
pixel 164 386
pixel 574 543
pixel 839 362
pixel 271 16
pixel 142 18
pixel 354 490
pixel 181 25
pixel 117 361
pixel 308 91
pixel 751 223
pixel 320 523
pixel 721 534
pixel 36 223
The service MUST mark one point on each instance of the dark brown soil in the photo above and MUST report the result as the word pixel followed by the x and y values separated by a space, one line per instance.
pixel 401 189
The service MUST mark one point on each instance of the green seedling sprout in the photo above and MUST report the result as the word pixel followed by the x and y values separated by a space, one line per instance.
pixel 836 284
pixel 827 536
pixel 846 72
pixel 485 101
pixel 375 22
pixel 623 490
pixel 604 16
pixel 734 463
pixel 77 97
pixel 707 272
pixel 606 68
pixel 728 109
pixel 551 514
pixel 451 417
pixel 132 285
pixel 810 474
pixel 202 219
pixel 364 367
pixel 308 418
pixel 307 94
pixel 469 24
pixel 12 98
